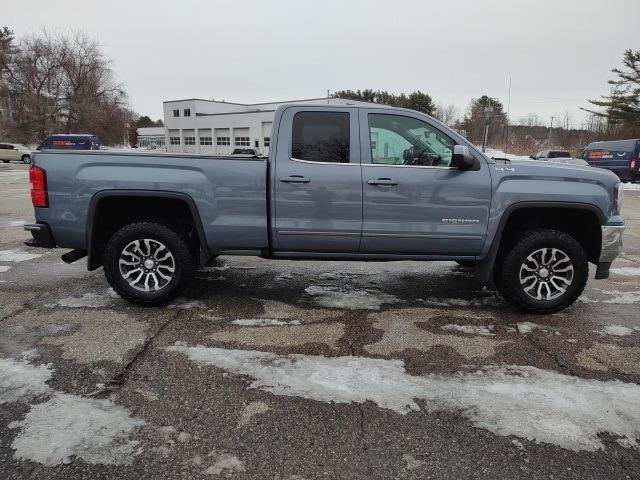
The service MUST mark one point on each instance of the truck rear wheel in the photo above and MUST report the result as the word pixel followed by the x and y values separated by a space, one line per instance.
pixel 543 272
pixel 148 263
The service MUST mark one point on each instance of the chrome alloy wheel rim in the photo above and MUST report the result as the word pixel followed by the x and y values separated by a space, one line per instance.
pixel 147 265
pixel 546 274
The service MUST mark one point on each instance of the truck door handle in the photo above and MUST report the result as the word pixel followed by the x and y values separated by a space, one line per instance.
pixel 295 179
pixel 382 181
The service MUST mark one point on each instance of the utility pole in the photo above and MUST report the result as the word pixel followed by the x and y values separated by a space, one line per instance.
pixel 550 128
pixel 487 110
pixel 506 136
pixel 328 97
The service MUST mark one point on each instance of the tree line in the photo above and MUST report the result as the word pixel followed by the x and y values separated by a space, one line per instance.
pixel 59 83
pixel 63 83
pixel 616 115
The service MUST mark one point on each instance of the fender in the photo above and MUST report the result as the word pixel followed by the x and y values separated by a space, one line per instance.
pixel 484 268
pixel 93 263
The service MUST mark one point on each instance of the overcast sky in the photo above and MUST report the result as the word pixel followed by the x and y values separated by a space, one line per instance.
pixel 558 53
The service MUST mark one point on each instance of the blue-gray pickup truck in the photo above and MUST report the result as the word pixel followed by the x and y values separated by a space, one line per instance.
pixel 341 182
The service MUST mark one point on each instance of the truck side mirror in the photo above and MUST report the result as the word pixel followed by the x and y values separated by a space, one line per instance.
pixel 463 159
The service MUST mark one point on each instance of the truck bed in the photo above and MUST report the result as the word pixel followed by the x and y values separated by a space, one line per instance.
pixel 230 193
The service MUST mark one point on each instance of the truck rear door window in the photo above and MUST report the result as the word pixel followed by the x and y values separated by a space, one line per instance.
pixel 321 137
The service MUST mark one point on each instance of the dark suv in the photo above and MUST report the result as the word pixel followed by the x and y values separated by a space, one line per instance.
pixel 622 157
pixel 70 142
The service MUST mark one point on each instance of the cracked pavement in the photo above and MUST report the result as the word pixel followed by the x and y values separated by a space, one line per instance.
pixel 291 370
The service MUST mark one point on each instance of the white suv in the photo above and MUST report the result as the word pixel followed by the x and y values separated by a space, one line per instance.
pixel 14 151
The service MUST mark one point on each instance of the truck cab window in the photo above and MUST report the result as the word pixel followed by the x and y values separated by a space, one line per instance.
pixel 399 140
pixel 321 137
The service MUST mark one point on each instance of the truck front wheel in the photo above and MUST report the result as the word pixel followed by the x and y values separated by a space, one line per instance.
pixel 543 272
pixel 148 263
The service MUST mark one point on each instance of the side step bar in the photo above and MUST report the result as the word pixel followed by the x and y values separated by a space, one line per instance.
pixel 73 256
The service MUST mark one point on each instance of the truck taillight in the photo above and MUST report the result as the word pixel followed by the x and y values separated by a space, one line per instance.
pixel 38 181
pixel 632 164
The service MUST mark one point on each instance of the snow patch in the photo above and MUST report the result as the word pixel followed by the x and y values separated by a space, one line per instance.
pixel 334 297
pixel 64 425
pixel 631 186
pixel 95 430
pixel 523 401
pixel 17 256
pixel 225 463
pixel 88 300
pixel 527 327
pixel 21 381
pixel 262 322
pixel 4 268
pixel 617 330
pixel 182 303
pixel 470 329
pixel 623 298
pixel 626 271
pixel 585 299
pixel 488 301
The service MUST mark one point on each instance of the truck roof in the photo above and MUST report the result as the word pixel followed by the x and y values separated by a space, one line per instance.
pixel 630 143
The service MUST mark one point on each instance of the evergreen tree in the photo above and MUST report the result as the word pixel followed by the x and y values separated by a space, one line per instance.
pixel 419 101
pixel 481 111
pixel 622 106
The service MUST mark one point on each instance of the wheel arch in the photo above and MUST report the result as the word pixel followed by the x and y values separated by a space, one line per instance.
pixel 519 210
pixel 94 242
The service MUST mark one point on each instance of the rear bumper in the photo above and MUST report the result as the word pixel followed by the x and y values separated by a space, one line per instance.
pixel 41 234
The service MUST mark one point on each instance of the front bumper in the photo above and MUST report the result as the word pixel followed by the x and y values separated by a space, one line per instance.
pixel 41 234
pixel 611 248
pixel 611 242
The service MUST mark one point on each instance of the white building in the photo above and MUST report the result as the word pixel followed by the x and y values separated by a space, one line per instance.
pixel 211 127
pixel 152 138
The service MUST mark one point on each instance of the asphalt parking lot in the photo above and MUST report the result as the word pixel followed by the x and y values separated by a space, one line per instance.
pixel 292 370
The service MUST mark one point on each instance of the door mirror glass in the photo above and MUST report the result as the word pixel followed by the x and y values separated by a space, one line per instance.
pixel 463 159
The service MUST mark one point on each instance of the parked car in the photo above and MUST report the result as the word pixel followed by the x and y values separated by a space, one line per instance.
pixel 548 154
pixel 503 159
pixel 244 152
pixel 14 152
pixel 622 157
pixel 342 182
pixel 569 161
pixel 70 142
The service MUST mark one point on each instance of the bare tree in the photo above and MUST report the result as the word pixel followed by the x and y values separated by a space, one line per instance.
pixel 531 120
pixel 64 83
pixel 448 114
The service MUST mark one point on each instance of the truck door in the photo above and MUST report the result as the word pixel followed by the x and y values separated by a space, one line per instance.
pixel 414 202
pixel 317 181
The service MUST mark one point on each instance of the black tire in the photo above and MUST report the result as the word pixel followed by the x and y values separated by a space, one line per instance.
pixel 182 262
pixel 5 161
pixel 466 263
pixel 26 159
pixel 509 274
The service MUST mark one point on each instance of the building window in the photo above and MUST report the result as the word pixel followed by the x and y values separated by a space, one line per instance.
pixel 174 140
pixel 321 137
pixel 223 141
pixel 266 141
pixel 176 113
pixel 242 141
pixel 189 140
pixel 206 141
pixel 187 112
